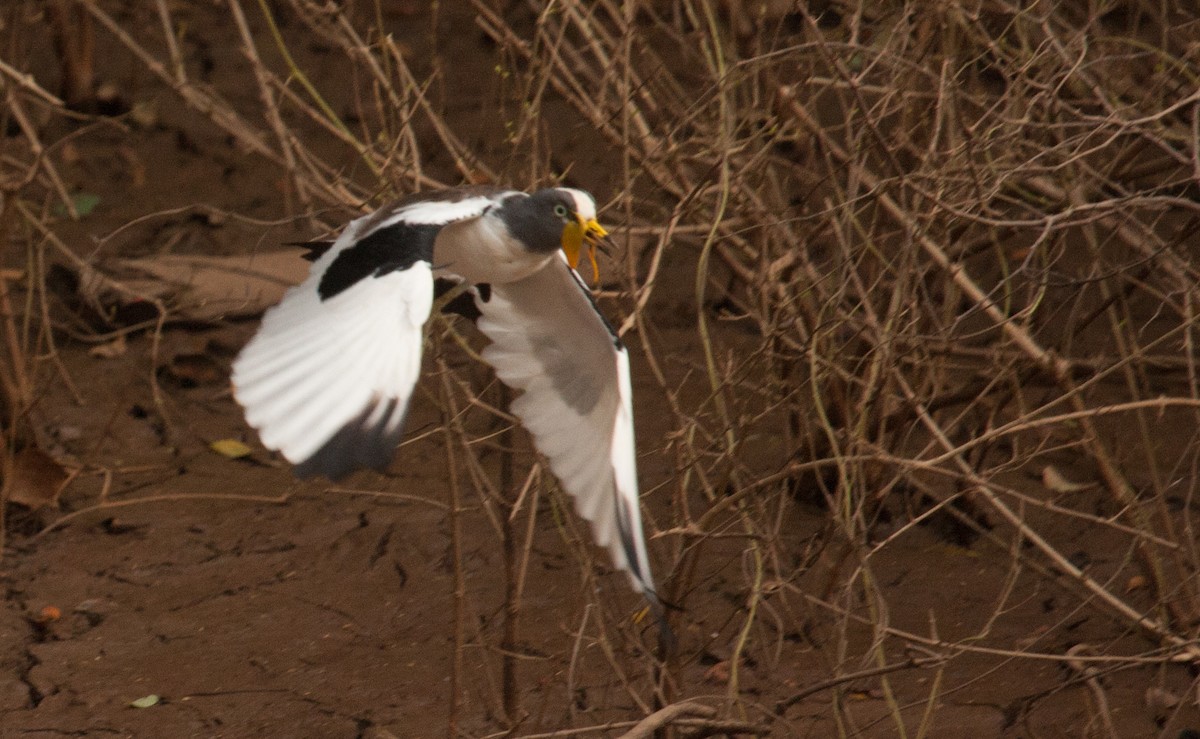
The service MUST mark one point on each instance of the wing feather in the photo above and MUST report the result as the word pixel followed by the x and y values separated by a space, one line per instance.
pixel 326 381
pixel 319 399
pixel 328 377
pixel 549 341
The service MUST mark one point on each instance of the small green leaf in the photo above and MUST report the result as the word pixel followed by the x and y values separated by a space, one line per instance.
pixel 145 701
pixel 83 202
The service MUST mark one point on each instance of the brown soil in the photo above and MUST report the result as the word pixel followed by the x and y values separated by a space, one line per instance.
pixel 255 605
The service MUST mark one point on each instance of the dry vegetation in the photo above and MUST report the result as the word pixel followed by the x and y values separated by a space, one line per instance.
pixel 940 266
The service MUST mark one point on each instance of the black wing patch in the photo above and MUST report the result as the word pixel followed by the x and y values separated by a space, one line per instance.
pixel 391 249
pixel 625 531
pixel 314 248
pixel 360 443
pixel 462 304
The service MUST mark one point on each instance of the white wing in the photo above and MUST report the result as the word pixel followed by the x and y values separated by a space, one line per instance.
pixel 327 378
pixel 551 342
pixel 436 208
pixel 326 381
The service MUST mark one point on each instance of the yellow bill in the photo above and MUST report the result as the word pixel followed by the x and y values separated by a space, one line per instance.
pixel 580 233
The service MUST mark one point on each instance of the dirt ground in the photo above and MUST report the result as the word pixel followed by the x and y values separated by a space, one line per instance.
pixel 176 592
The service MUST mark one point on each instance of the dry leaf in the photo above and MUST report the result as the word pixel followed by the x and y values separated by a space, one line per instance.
pixel 1159 698
pixel 144 113
pixel 1137 582
pixel 718 673
pixel 33 479
pixel 137 169
pixel 194 287
pixel 48 614
pixel 145 701
pixel 195 370
pixel 1054 481
pixel 69 153
pixel 231 448
pixel 112 349
pixel 201 287
pixel 95 609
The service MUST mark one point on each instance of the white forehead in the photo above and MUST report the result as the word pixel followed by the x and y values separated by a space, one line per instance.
pixel 585 206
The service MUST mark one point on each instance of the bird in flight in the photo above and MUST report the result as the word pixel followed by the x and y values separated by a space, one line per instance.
pixel 328 377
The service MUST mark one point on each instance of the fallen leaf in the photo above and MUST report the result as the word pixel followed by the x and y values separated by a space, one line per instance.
pixel 145 701
pixel 83 203
pixel 718 673
pixel 230 448
pixel 1137 582
pixel 195 370
pixel 48 614
pixel 1054 481
pixel 112 349
pixel 1161 698
pixel 144 113
pixel 33 479
pixel 117 527
pixel 70 153
pixel 137 169
pixel 203 288
pixel 95 609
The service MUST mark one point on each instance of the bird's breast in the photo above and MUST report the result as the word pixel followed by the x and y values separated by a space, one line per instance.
pixel 482 250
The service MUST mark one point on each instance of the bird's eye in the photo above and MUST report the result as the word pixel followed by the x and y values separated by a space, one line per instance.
pixel 560 210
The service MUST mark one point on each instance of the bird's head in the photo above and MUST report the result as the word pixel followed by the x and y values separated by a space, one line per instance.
pixel 556 218
pixel 580 227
